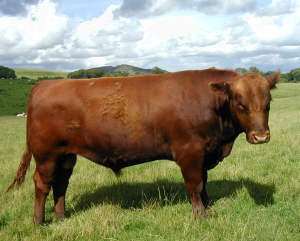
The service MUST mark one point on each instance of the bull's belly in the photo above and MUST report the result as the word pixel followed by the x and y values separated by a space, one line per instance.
pixel 123 159
pixel 117 163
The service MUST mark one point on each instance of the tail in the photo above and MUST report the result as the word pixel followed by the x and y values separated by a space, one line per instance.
pixel 23 167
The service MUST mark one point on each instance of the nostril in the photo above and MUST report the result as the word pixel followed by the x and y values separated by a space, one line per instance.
pixel 261 138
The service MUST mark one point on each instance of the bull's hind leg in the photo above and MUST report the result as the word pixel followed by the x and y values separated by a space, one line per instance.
pixel 43 178
pixel 52 172
pixel 63 172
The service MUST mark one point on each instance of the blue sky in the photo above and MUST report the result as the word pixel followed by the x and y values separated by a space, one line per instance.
pixel 171 34
pixel 94 8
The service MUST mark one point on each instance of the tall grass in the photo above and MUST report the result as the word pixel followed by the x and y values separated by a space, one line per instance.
pixel 255 192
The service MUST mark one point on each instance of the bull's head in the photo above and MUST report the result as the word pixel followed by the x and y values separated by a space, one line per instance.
pixel 249 100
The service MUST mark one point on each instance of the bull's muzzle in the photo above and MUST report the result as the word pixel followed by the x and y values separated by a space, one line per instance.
pixel 258 137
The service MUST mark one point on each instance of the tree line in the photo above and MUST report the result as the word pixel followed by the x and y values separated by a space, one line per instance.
pixel 6 73
pixel 292 77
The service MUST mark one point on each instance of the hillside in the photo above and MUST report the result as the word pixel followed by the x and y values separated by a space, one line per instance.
pixel 124 67
pixel 36 73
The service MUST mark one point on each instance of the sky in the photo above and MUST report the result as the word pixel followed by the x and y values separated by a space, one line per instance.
pixel 68 35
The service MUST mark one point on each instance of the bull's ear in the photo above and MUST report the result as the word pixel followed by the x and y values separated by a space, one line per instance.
pixel 273 79
pixel 220 88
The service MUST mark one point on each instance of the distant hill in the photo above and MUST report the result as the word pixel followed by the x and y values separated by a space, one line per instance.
pixel 124 67
pixel 36 73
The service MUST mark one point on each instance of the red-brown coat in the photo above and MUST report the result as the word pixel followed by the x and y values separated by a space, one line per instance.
pixel 191 117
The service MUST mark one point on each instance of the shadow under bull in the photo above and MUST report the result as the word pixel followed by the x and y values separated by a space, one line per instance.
pixel 164 192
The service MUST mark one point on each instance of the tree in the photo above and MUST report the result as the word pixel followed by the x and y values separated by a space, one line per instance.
pixel 78 74
pixel 139 73
pixel 117 74
pixel 156 70
pixel 86 74
pixel 93 73
pixel 284 78
pixel 294 75
pixel 7 73
pixel 97 73
pixel 268 73
pixel 253 70
pixel 241 70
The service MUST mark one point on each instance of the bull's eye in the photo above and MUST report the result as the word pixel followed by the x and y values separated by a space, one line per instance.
pixel 241 107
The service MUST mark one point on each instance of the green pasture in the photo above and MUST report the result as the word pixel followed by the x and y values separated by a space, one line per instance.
pixel 13 96
pixel 255 192
pixel 14 92
pixel 36 73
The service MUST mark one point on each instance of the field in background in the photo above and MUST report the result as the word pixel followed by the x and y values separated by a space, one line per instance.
pixel 36 73
pixel 255 192
pixel 13 96
pixel 14 92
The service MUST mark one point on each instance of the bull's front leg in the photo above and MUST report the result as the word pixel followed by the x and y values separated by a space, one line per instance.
pixel 195 179
pixel 204 195
pixel 63 173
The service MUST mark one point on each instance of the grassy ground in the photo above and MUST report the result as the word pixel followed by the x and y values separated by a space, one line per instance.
pixel 255 192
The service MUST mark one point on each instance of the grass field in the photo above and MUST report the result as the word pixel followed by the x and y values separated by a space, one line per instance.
pixel 13 93
pixel 36 73
pixel 255 192
pixel 13 96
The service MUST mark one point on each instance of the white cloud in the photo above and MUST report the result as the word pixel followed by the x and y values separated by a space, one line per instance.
pixel 89 27
pixel 276 30
pixel 278 7
pixel 273 59
pixel 42 28
pixel 170 26
pixel 10 36
pixel 16 7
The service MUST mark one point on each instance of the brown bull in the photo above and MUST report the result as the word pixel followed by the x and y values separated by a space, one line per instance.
pixel 191 117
